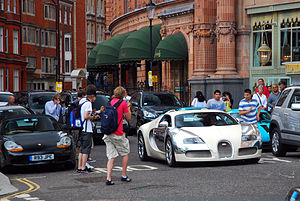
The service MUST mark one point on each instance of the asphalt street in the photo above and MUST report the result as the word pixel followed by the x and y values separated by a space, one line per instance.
pixel 270 179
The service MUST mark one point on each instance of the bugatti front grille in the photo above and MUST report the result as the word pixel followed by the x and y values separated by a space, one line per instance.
pixel 225 150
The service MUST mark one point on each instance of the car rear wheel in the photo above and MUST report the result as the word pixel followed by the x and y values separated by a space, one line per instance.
pixel 278 149
pixel 170 156
pixel 142 148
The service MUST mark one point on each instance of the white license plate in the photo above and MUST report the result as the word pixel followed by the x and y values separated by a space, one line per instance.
pixel 98 130
pixel 45 157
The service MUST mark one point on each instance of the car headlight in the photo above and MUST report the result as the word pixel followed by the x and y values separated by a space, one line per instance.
pixel 193 140
pixel 12 146
pixel 64 142
pixel 149 114
pixel 249 133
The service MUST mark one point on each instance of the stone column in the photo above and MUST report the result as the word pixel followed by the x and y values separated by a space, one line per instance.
pixel 226 31
pixel 204 38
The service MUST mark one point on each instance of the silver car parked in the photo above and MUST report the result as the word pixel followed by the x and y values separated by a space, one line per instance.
pixel 285 123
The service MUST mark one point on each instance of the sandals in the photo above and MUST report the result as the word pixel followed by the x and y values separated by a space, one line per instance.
pixel 109 182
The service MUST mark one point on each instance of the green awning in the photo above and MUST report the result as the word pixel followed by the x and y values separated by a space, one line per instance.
pixel 108 53
pixel 136 46
pixel 92 56
pixel 173 47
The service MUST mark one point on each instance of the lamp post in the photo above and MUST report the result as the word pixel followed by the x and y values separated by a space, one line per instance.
pixel 57 78
pixel 150 12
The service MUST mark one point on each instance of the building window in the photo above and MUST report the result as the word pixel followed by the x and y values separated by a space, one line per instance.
pixel 50 12
pixel 46 38
pixel 97 34
pixel 261 33
pixel 136 3
pixel 42 38
pixel 60 14
pixel 102 33
pixel 65 18
pixel 88 31
pixel 52 39
pixel 70 16
pixel 16 42
pixel 7 79
pixel 31 62
pixel 1 4
pixel 43 64
pixel 37 38
pixel 15 6
pixel 6 40
pixel 46 9
pixel 92 6
pixel 290 40
pixel 92 32
pixel 1 39
pixel 87 6
pixel 28 6
pixel 8 5
pixel 16 79
pixel 98 8
pixel 102 7
pixel 67 66
pixel 1 79
pixel 125 6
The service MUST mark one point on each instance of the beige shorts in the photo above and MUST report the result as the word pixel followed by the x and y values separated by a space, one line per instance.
pixel 116 145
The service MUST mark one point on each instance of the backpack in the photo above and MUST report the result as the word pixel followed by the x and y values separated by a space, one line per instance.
pixel 74 115
pixel 109 119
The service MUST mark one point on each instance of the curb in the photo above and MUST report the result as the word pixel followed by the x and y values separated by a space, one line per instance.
pixel 5 185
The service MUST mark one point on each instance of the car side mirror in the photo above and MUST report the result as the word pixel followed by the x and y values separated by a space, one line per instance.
pixel 240 120
pixel 163 124
pixel 295 106
pixel 135 104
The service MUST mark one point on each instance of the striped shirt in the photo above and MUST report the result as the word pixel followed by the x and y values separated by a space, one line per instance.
pixel 244 105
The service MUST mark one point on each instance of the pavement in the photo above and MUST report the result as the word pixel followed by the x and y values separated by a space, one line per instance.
pixel 5 186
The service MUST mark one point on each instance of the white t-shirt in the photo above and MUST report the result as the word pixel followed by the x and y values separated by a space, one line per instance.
pixel 87 106
pixel 262 100
pixel 196 103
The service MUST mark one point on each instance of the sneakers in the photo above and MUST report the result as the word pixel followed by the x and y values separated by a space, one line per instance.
pixel 82 171
pixel 109 182
pixel 91 160
pixel 127 179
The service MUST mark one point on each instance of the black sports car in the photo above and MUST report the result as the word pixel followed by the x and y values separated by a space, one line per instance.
pixel 34 140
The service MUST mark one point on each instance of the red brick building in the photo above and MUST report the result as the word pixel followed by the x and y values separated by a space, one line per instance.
pixel 12 63
pixel 215 35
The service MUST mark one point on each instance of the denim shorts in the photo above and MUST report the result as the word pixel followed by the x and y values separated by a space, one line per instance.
pixel 86 142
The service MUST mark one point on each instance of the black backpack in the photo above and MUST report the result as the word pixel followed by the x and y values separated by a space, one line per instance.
pixel 109 119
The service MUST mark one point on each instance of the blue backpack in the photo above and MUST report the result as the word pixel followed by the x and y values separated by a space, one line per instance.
pixel 75 115
pixel 109 119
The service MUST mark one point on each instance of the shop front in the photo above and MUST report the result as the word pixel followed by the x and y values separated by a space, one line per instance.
pixel 275 44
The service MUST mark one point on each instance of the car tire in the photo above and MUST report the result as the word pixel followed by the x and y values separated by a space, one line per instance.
pixel 142 148
pixel 278 149
pixel 169 152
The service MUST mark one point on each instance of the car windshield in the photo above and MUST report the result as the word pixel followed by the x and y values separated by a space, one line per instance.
pixel 203 119
pixel 4 97
pixel 38 101
pixel 157 99
pixel 29 125
pixel 13 112
pixel 101 100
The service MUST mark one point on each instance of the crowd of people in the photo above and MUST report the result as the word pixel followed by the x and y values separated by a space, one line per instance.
pixel 116 143
pixel 263 98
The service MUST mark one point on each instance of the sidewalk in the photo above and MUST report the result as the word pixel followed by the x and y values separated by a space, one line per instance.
pixel 5 185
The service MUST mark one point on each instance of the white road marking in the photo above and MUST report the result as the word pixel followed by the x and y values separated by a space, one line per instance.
pixel 23 196
pixel 273 160
pixel 288 176
pixel 129 168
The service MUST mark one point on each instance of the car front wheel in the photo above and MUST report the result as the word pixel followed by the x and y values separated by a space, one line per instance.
pixel 170 156
pixel 278 149
pixel 142 148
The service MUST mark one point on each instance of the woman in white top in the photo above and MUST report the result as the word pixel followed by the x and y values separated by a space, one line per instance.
pixel 199 100
pixel 260 97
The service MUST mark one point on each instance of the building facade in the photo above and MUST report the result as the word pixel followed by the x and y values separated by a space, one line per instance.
pixel 277 24
pixel 12 61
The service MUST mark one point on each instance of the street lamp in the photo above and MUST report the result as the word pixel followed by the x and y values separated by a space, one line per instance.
pixel 150 12
pixel 56 4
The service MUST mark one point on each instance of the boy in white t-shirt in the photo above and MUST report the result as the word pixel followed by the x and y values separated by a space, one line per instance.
pixel 87 130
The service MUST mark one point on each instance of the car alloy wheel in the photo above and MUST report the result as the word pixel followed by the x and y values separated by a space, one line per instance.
pixel 278 149
pixel 170 153
pixel 142 148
